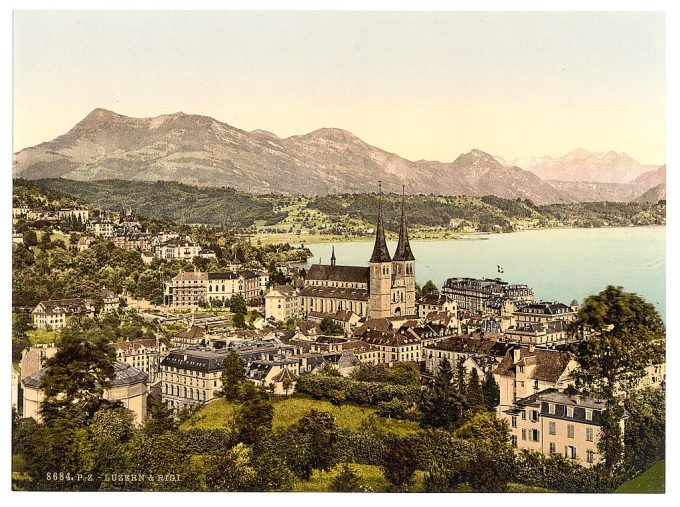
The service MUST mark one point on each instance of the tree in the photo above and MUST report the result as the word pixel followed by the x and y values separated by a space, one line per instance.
pixel 232 471
pixel 310 444
pixel 239 320
pixel 492 392
pixel 346 481
pixel 485 428
pixel 159 418
pixel 429 288
pixel 78 374
pixel 253 419
pixel 405 373
pixel 287 385
pixel 337 397
pixel 330 327
pixel 474 393
pixel 233 376
pixel 621 334
pixel 441 405
pixel 645 436
pixel 399 465
pixel 237 304
pixel 491 470
pixel 30 238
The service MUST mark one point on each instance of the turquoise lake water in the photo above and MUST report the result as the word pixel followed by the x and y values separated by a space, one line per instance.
pixel 559 264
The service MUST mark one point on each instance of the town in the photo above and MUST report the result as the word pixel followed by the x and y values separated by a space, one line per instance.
pixel 224 328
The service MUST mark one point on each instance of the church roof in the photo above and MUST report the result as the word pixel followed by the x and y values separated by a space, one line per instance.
pixel 356 274
pixel 403 252
pixel 380 252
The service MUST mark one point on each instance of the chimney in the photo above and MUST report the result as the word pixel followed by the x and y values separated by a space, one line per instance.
pixel 516 354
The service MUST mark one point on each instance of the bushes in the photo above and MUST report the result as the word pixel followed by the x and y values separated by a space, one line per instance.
pixel 365 393
pixel 200 441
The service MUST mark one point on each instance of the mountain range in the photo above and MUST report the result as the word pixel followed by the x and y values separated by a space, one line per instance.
pixel 199 150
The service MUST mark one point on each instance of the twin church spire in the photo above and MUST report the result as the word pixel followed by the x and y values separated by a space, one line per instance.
pixel 380 251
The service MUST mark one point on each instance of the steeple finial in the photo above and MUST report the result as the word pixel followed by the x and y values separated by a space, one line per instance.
pixel 380 252
pixel 403 252
pixel 333 256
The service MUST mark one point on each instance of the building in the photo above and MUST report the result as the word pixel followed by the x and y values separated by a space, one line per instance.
pixel 552 422
pixel 281 303
pixel 79 214
pixel 17 238
pixel 544 312
pixel 538 333
pixel 189 289
pixel 435 303
pixel 19 211
pixel 392 345
pixel 101 228
pixel 524 371
pixel 132 240
pixel 386 288
pixel 145 355
pixel 53 314
pixel 110 301
pixel 177 248
pixel 129 386
pixel 186 289
pixel 84 242
pixel 195 336
pixel 191 376
pixel 459 348
pixel 472 294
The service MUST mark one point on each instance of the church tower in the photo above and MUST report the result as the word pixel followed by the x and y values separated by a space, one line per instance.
pixel 380 270
pixel 403 297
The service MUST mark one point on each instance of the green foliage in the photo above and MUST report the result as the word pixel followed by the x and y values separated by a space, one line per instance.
pixel 492 392
pixel 310 444
pixel 346 481
pixel 173 201
pixel 78 374
pixel 442 405
pixel 159 418
pixel 645 435
pixel 233 376
pixel 365 393
pixel 429 288
pixel 474 393
pixel 621 334
pixel 253 419
pixel 207 441
pixel 399 465
pixel 491 470
pixel 330 327
pixel 484 428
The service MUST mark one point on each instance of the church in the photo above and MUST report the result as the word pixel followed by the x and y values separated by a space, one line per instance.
pixel 386 288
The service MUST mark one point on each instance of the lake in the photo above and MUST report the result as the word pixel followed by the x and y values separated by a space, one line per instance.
pixel 558 264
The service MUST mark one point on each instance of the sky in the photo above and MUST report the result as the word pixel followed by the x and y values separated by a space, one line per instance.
pixel 424 85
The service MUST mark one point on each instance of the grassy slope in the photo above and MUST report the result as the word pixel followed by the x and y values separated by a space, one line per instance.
pixel 288 411
pixel 651 481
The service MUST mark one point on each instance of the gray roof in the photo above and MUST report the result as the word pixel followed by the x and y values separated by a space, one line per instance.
pixel 356 274
pixel 125 375
pixel 194 359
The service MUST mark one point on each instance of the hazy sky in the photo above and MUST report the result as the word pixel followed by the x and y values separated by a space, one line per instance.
pixel 423 85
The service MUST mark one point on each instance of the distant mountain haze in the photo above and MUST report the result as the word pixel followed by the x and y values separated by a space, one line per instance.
pixel 199 150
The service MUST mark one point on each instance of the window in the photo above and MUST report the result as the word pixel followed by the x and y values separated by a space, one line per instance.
pixel 524 415
pixel 534 415
pixel 590 456
pixel 589 415
pixel 513 439
pixel 524 434
pixel 551 428
pixel 534 435
pixel 570 431
pixel 589 434
pixel 553 448
pixel 536 384
pixel 570 411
